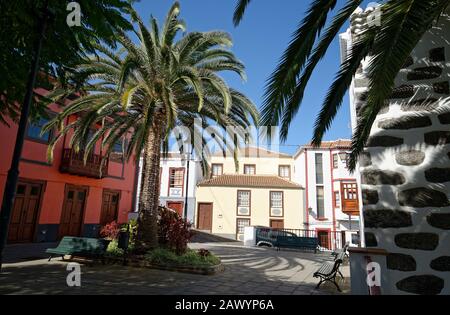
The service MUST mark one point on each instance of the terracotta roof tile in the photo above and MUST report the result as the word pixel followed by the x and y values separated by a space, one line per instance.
pixel 256 181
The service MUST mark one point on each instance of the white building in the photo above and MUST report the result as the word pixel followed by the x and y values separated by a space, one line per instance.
pixel 178 183
pixel 332 199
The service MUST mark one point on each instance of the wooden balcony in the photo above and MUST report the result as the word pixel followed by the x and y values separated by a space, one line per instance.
pixel 72 163
pixel 349 195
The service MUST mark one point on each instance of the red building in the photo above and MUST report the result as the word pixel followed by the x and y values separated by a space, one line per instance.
pixel 64 197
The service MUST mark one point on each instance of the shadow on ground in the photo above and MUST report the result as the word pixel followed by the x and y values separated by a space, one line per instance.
pixel 248 271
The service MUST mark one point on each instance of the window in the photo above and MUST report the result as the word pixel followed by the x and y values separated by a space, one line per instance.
pixel 241 224
pixel 320 202
pixel 284 171
pixel 249 169
pixel 347 157
pixel 276 203
pixel 117 148
pixel 337 199
pixel 34 130
pixel 319 168
pixel 243 199
pixel 335 161
pixel 216 170
pixel 176 181
pixel 276 199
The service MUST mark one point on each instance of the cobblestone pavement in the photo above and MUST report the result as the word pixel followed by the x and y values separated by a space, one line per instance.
pixel 248 271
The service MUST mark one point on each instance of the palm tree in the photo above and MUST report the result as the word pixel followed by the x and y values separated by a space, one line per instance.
pixel 403 23
pixel 148 88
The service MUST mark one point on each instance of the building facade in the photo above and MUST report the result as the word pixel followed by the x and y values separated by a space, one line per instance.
pixel 256 191
pixel 65 197
pixel 331 192
pixel 405 170
pixel 178 183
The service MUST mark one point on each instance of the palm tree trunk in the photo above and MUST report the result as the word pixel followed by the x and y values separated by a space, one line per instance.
pixel 147 231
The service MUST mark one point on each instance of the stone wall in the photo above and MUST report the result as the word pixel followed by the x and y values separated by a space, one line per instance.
pixel 405 172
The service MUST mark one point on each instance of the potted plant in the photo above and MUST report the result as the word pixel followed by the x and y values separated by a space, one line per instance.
pixel 109 233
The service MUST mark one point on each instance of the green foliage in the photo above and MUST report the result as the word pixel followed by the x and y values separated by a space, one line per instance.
pixel 62 48
pixel 174 77
pixel 403 23
pixel 191 258
pixel 113 250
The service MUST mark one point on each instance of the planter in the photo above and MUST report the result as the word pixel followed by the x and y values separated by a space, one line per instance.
pixel 141 263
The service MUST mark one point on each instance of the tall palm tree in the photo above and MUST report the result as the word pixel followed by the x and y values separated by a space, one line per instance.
pixel 403 23
pixel 146 90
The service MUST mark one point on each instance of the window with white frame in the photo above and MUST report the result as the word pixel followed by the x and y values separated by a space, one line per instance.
pixel 216 170
pixel 240 226
pixel 276 203
pixel 320 202
pixel 249 169
pixel 337 199
pixel 176 182
pixel 284 171
pixel 243 202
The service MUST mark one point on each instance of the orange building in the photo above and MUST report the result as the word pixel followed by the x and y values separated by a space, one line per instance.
pixel 64 197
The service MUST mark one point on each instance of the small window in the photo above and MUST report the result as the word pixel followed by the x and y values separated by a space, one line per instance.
pixel 118 147
pixel 249 169
pixel 34 191
pixel 176 178
pixel 319 168
pixel 320 202
pixel 241 224
pixel 284 171
pixel 34 130
pixel 70 195
pixel 81 195
pixel 337 199
pixel 216 170
pixel 21 189
pixel 276 199
pixel 243 198
pixel 335 161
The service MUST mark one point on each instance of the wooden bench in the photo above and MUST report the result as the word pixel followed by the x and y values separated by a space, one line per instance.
pixel 297 242
pixel 329 270
pixel 337 251
pixel 78 246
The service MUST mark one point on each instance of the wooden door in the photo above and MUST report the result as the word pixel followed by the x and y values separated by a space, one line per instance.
pixel 277 224
pixel 324 238
pixel 178 206
pixel 25 212
pixel 110 206
pixel 204 221
pixel 73 210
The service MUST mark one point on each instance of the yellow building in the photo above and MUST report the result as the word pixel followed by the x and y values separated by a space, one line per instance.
pixel 256 192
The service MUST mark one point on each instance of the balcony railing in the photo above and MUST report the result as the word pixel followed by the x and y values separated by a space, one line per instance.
pixel 72 163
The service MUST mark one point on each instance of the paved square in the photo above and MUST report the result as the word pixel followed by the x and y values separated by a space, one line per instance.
pixel 248 271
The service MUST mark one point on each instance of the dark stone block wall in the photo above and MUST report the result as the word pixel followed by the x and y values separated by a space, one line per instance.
pixel 405 176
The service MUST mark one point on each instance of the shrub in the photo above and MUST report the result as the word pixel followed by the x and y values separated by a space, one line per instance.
pixel 203 252
pixel 110 231
pixel 191 258
pixel 174 232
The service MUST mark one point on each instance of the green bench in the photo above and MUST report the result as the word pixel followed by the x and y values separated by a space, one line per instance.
pixel 78 246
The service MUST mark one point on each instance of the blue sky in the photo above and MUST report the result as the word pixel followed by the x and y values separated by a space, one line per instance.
pixel 259 42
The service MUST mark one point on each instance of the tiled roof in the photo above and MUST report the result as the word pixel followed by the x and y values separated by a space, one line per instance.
pixel 256 181
pixel 255 152
pixel 337 144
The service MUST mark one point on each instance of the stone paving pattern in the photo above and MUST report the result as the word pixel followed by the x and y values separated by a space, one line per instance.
pixel 248 271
